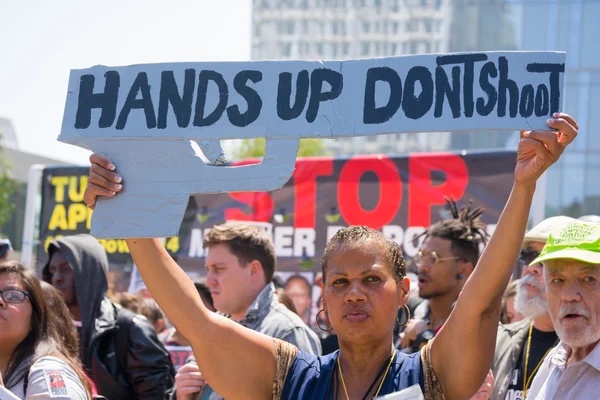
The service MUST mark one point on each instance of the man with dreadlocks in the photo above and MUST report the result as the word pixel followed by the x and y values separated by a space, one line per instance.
pixel 446 258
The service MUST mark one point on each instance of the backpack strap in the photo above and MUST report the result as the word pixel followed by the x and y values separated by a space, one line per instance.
pixel 124 323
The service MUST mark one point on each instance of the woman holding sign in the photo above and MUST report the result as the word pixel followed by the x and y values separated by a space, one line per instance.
pixel 364 286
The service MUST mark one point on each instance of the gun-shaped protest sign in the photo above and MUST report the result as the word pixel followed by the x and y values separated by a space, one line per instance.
pixel 150 118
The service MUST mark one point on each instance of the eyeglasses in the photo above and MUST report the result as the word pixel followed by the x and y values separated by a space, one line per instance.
pixel 13 296
pixel 527 256
pixel 431 258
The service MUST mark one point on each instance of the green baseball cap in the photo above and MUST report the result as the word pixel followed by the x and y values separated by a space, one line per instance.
pixel 578 241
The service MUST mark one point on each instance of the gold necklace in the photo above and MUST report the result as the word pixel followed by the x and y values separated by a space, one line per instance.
pixel 526 381
pixel 382 379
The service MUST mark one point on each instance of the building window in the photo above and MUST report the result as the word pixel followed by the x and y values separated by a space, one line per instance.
pixel 256 53
pixel 286 49
pixel 428 25
pixel 365 25
pixel 319 49
pixel 316 27
pixel 364 48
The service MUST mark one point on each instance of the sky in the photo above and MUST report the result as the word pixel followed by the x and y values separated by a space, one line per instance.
pixel 41 41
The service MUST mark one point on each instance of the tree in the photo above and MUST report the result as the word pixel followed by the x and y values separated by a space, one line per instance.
pixel 253 148
pixel 7 187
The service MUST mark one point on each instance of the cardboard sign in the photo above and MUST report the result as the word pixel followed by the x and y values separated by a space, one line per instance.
pixel 143 118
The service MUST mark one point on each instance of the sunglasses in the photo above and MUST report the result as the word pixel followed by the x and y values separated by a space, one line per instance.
pixel 431 258
pixel 527 256
pixel 13 296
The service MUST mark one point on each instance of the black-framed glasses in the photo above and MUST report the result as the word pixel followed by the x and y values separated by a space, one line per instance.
pixel 13 296
pixel 431 258
pixel 527 256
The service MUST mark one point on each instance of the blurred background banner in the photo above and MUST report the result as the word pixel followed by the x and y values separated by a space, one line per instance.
pixel 399 195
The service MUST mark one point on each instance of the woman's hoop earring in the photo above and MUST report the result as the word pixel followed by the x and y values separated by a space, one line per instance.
pixel 317 321
pixel 407 319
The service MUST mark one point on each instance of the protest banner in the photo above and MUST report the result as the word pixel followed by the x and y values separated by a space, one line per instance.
pixel 145 118
pixel 179 355
pixel 400 195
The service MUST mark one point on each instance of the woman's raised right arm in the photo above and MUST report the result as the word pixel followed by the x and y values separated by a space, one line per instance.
pixel 236 361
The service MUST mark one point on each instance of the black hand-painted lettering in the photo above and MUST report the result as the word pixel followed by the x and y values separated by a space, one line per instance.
pixel 169 94
pixel 318 76
pixel 415 107
pixel 205 77
pixel 555 70
pixel 505 84
pixel 468 60
pixel 443 89
pixel 542 101
pixel 106 101
pixel 378 115
pixel 284 95
pixel 250 95
pixel 526 102
pixel 140 86
pixel 487 71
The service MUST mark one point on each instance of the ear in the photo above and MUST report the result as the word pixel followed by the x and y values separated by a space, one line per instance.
pixel 403 293
pixel 160 324
pixel 256 270
pixel 465 269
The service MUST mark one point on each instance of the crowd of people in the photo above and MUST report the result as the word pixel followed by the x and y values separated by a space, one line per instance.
pixel 512 316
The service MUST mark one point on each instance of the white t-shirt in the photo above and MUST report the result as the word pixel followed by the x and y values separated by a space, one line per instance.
pixel 49 378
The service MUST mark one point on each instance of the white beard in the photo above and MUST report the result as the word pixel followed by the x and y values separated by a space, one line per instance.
pixel 584 336
pixel 531 308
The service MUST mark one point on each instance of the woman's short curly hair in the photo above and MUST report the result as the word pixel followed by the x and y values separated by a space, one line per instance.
pixel 359 234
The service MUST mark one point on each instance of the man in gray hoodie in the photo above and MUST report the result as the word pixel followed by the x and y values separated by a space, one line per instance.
pixel 119 349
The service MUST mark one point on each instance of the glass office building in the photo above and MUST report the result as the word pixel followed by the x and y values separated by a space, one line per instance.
pixel 572 26
pixel 342 29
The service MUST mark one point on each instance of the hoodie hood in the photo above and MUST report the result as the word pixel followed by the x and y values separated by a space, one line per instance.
pixel 89 262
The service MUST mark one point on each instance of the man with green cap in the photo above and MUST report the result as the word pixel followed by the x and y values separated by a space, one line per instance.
pixel 522 346
pixel 571 261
